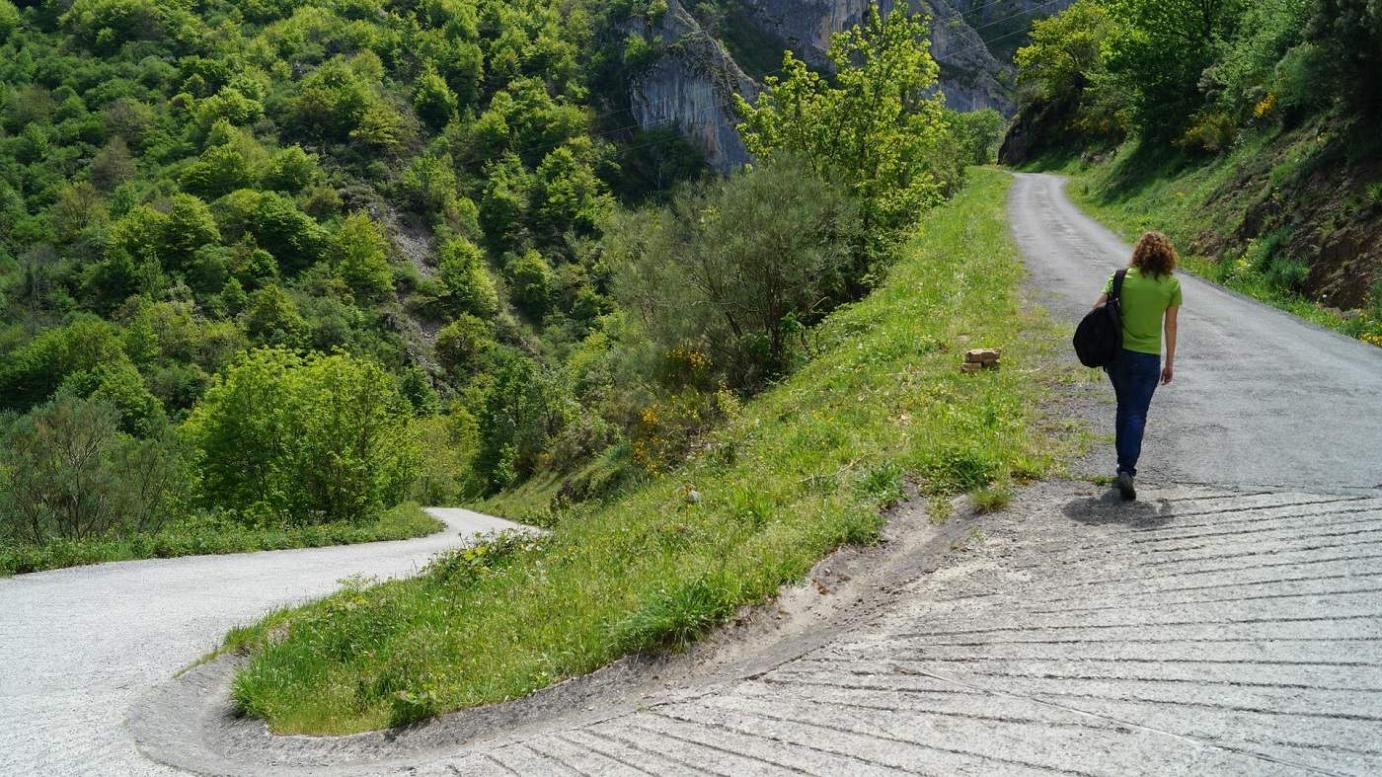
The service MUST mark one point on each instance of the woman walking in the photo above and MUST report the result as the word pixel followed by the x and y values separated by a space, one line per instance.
pixel 1150 300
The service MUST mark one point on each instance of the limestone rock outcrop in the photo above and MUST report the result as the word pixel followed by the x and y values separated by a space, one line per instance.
pixel 691 87
pixel 970 76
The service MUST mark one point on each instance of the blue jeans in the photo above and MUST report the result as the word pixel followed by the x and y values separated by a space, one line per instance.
pixel 1134 376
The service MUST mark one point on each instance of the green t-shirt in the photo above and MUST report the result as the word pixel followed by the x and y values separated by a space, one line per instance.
pixel 1145 300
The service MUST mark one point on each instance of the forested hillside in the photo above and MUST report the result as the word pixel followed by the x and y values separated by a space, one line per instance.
pixel 1248 130
pixel 282 265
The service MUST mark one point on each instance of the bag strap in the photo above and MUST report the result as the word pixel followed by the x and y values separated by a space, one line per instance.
pixel 1117 293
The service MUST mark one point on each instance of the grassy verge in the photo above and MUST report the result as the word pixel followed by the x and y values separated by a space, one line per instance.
pixel 799 471
pixel 1187 201
pixel 201 536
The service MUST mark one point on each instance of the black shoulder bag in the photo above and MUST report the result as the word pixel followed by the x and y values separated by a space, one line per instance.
pixel 1099 337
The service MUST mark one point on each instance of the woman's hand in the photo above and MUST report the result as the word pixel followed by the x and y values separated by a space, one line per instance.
pixel 1167 373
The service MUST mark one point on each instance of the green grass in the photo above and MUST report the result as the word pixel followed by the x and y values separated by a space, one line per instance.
pixel 200 536
pixel 801 470
pixel 1132 193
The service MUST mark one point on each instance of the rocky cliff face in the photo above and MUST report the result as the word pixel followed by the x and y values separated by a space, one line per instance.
pixel 691 87
pixel 970 76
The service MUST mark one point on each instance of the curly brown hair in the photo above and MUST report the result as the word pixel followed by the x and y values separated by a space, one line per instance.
pixel 1154 255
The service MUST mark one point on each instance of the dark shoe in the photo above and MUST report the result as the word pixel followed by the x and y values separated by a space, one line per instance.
pixel 1125 486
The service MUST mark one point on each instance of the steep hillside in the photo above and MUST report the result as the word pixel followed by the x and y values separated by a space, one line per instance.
pixel 272 268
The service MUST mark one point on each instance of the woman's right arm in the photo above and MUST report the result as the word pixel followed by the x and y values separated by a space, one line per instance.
pixel 1101 301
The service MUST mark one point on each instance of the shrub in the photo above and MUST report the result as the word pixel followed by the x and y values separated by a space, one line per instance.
pixel 361 257
pixel 461 343
pixel 303 440
pixel 68 472
pixel 530 283
pixel 1210 132
pixel 469 287
pixel 735 268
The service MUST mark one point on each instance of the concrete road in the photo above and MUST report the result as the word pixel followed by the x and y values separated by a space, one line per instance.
pixel 1260 398
pixel 78 646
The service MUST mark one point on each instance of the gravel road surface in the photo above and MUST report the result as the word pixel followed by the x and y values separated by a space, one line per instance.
pixel 79 646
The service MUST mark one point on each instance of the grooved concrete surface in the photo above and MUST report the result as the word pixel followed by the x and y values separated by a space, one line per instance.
pixel 1202 632
pixel 78 646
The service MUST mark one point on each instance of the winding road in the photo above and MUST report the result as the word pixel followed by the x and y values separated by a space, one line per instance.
pixel 79 646
pixel 1228 624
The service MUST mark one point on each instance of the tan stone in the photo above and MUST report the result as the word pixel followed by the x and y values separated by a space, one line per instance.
pixel 971 367
pixel 982 355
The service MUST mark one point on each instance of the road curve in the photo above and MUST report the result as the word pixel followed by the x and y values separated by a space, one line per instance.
pixel 79 646
pixel 1260 399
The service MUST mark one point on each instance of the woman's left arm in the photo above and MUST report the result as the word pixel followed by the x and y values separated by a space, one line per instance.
pixel 1169 371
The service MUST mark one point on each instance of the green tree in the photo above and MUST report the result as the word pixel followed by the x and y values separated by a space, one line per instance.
pixel 504 207
pixel 1350 34
pixel 433 99
pixel 293 237
pixel 735 268
pixel 303 440
pixel 976 134
pixel 106 24
pixel 66 471
pixel 523 409
pixel 119 385
pixel 380 128
pixel 469 287
pixel 361 257
pixel 1066 51
pixel 9 18
pixel 568 195
pixel 877 126
pixel 1160 54
pixel 291 170
pixel 220 170
pixel 1064 77
pixel 530 282
pixel 272 317
pixel 461 343
pixel 189 226
pixel 60 473
pixel 330 102
pixel 30 374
